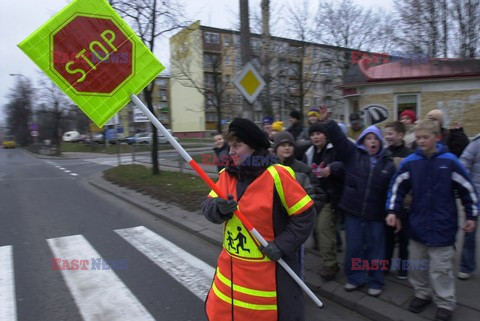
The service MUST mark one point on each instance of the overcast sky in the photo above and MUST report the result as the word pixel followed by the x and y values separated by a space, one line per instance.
pixel 19 18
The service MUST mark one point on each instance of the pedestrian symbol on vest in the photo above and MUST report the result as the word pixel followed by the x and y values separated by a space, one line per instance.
pixel 241 240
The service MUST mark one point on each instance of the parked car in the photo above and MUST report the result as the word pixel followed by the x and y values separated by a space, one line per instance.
pixel 8 142
pixel 72 136
pixel 146 138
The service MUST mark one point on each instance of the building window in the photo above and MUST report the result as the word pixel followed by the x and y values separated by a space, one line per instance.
pixel 162 93
pixel 405 102
pixel 227 59
pixel 210 61
pixel 161 82
pixel 212 38
pixel 227 40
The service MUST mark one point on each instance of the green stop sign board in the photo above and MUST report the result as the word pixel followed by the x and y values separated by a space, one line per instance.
pixel 93 56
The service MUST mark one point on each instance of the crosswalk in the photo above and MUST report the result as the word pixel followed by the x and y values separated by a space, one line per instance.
pixel 102 295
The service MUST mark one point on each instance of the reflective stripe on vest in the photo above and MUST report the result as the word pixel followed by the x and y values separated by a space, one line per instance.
pixel 278 186
pixel 241 289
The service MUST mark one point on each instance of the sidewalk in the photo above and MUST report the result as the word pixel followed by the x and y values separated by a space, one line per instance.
pixel 392 304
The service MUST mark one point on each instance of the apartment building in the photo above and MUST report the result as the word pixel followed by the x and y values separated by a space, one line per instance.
pixel 205 61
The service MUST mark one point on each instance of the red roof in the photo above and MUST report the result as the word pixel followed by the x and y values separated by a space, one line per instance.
pixel 433 68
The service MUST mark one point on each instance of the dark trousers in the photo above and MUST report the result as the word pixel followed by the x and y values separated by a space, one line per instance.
pixel 402 246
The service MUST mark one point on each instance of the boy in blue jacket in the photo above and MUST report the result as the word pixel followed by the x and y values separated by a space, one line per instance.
pixel 432 174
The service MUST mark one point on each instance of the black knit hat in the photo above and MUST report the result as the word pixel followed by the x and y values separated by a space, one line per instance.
pixel 317 127
pixel 295 114
pixel 283 137
pixel 249 133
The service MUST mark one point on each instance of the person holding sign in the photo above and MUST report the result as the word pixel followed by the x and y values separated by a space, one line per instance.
pixel 248 283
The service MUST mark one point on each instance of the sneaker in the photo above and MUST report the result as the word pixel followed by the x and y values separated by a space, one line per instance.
pixel 328 272
pixel 464 276
pixel 402 275
pixel 351 287
pixel 417 305
pixel 374 292
pixel 443 314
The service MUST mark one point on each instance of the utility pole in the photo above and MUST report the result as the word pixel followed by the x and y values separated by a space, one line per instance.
pixel 264 59
pixel 245 50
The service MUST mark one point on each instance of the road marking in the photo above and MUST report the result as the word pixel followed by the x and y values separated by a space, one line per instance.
pixel 8 309
pixel 73 174
pixel 187 269
pixel 99 294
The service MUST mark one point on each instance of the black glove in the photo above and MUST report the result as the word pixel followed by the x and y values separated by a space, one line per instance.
pixel 272 251
pixel 226 207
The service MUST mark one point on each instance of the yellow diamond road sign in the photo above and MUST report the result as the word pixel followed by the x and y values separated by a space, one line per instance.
pixel 93 56
pixel 249 82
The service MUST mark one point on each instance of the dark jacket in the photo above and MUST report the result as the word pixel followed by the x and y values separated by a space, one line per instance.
pixel 455 139
pixel 296 129
pixel 330 188
pixel 365 188
pixel 222 156
pixel 401 151
pixel 433 214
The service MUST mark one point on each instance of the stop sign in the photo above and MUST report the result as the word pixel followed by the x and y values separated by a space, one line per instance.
pixel 92 54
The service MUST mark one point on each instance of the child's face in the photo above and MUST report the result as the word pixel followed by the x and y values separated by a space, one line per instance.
pixel 312 119
pixel 426 141
pixel 318 139
pixel 406 120
pixel 371 143
pixel 239 151
pixel 218 141
pixel 392 137
pixel 285 150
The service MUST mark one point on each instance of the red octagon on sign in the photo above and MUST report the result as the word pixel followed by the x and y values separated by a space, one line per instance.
pixel 92 54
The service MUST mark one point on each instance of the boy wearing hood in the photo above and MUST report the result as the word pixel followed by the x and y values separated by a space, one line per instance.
pixel 368 169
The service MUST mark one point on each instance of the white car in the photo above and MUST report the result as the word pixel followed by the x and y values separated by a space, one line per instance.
pixel 72 136
pixel 146 138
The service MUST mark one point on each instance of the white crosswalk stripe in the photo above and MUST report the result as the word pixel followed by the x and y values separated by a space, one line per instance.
pixel 99 295
pixel 187 269
pixel 8 310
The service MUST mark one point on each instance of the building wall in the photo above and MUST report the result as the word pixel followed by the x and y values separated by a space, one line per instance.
pixel 187 103
pixel 458 99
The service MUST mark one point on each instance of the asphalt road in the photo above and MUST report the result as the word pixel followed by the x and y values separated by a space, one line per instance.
pixel 71 252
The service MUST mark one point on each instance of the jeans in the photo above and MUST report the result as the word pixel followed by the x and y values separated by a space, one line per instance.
pixel 365 241
pixel 467 263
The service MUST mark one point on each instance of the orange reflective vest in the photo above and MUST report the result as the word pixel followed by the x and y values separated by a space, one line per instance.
pixel 244 286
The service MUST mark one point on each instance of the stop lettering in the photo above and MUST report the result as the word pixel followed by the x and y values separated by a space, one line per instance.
pixel 92 54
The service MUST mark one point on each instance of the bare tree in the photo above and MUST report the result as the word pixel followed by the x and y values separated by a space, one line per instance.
pixel 19 110
pixel 345 24
pixel 466 17
pixel 151 20
pixel 54 111
pixel 423 26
